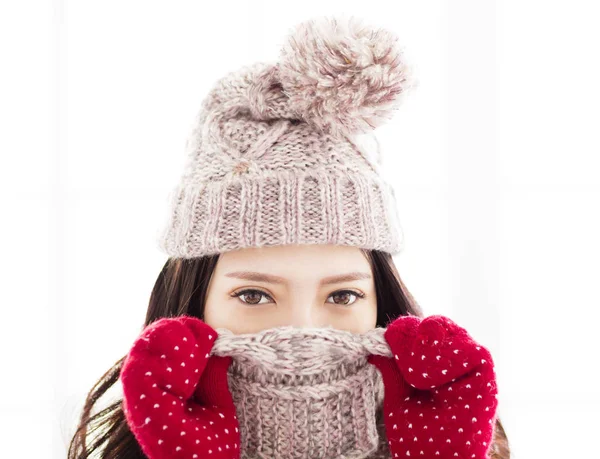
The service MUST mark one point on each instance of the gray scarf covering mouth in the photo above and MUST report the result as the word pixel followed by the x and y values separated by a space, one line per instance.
pixel 307 392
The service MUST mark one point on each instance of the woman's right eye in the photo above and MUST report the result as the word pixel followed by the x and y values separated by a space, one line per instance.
pixel 251 296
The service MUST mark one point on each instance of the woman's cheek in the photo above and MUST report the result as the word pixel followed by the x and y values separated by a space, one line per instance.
pixel 241 319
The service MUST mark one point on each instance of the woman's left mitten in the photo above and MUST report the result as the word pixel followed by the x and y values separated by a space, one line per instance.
pixel 440 396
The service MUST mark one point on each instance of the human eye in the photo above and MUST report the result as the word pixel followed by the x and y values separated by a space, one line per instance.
pixel 251 293
pixel 344 294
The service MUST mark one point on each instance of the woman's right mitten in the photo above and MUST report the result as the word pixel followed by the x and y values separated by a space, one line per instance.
pixel 176 397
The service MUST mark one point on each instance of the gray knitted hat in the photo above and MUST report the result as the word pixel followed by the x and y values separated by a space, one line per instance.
pixel 307 392
pixel 277 153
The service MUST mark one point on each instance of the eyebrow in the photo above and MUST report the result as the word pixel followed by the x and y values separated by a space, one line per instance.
pixel 272 279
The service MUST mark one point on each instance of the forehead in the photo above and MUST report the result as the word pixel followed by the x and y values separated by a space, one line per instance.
pixel 295 261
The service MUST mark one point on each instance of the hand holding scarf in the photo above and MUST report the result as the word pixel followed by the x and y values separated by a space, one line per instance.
pixel 440 390
pixel 175 397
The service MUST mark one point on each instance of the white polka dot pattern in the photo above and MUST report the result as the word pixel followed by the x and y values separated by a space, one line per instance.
pixel 175 395
pixel 441 394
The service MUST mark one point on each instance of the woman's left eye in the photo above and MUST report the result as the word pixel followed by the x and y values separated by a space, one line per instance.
pixel 344 294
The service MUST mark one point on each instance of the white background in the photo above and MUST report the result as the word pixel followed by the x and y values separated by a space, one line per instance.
pixel 494 160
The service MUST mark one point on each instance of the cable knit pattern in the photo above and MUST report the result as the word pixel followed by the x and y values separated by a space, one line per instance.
pixel 306 393
pixel 275 156
pixel 420 387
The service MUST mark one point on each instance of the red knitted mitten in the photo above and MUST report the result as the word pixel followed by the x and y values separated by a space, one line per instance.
pixel 176 398
pixel 440 395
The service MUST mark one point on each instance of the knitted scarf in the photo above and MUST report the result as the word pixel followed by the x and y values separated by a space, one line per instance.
pixel 307 393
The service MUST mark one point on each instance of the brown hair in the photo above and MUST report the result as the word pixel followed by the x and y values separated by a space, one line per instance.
pixel 180 289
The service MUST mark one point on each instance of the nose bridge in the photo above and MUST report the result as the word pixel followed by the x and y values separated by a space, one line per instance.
pixel 303 313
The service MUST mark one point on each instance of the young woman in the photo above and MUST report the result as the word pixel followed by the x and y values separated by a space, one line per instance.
pixel 280 308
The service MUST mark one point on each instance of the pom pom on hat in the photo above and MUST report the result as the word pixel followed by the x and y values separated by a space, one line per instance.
pixel 343 77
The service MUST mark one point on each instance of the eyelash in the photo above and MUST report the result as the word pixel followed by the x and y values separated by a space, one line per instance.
pixel 252 290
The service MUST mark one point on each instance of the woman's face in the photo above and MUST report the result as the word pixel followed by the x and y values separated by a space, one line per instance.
pixel 253 289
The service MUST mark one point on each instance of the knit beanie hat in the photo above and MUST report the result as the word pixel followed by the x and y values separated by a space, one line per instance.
pixel 277 153
pixel 307 392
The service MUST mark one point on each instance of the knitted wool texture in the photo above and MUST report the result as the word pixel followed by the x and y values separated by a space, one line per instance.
pixel 307 393
pixel 276 154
